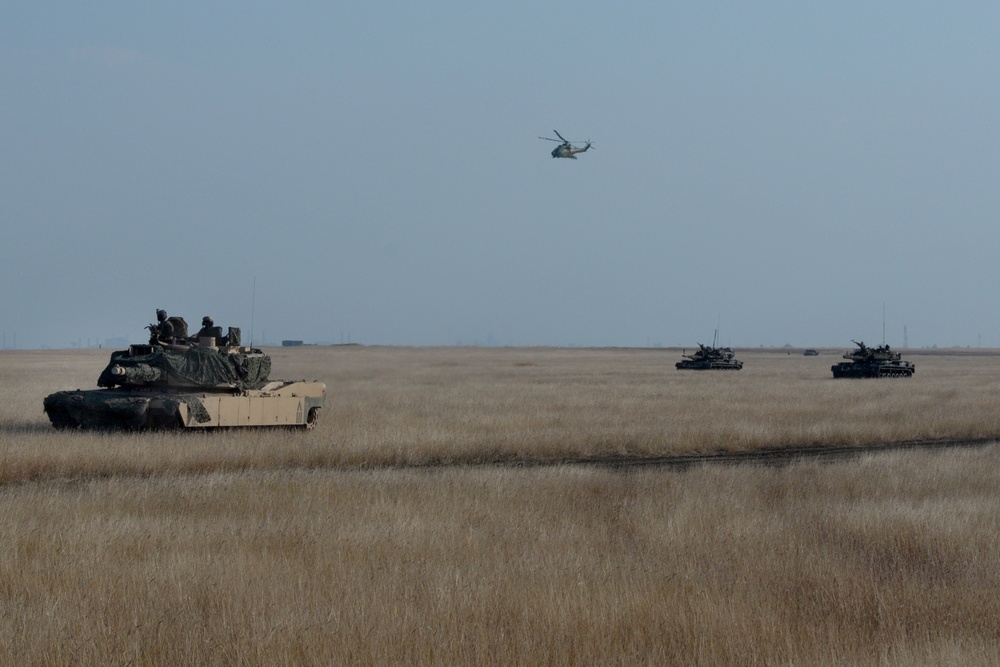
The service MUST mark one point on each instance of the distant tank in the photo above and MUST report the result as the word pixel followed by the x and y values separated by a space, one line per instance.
pixel 868 362
pixel 203 383
pixel 708 358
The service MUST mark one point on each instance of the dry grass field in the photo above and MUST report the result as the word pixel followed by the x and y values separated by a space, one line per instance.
pixel 403 531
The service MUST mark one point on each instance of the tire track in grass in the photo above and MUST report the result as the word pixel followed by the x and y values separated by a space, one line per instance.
pixel 773 457
pixel 779 456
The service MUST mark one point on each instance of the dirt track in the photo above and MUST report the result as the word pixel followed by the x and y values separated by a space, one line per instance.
pixel 767 457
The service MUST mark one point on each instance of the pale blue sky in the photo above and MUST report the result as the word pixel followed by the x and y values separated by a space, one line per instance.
pixel 780 169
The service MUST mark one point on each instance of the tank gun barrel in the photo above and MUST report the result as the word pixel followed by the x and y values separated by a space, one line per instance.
pixel 137 374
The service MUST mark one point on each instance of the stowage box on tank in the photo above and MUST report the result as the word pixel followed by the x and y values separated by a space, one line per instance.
pixel 708 358
pixel 197 384
pixel 867 362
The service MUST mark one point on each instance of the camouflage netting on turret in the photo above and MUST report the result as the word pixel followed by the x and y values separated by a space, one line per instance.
pixel 197 367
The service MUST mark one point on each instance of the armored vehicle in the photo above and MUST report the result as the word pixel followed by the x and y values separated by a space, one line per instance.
pixel 867 362
pixel 201 383
pixel 708 358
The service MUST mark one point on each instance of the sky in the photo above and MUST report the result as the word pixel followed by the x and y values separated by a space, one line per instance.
pixel 784 173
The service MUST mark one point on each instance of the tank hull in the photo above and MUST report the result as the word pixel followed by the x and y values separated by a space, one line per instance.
pixel 278 403
pixel 706 365
pixel 851 369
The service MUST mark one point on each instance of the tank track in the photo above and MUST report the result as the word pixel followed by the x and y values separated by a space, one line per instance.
pixel 101 409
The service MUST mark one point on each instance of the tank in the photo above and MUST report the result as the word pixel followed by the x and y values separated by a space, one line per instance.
pixel 708 358
pixel 868 362
pixel 205 383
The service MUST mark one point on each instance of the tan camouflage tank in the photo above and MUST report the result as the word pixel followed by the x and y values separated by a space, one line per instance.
pixel 196 383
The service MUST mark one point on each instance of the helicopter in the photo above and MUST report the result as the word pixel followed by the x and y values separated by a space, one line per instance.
pixel 566 149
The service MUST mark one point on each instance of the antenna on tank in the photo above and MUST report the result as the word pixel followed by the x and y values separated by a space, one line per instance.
pixel 883 322
pixel 253 306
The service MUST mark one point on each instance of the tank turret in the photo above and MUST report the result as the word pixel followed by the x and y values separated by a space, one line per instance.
pixel 193 366
pixel 872 362
pixel 193 383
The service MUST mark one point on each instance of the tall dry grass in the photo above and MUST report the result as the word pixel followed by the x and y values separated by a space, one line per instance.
pixel 889 561
pixel 277 547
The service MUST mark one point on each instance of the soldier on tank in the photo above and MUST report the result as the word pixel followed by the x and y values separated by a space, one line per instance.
pixel 167 330
pixel 209 330
pixel 162 331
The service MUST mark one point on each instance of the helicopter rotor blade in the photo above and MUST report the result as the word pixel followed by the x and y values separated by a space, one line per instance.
pixel 560 136
pixel 548 138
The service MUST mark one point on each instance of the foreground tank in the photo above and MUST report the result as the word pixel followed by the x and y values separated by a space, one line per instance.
pixel 196 385
pixel 867 362
pixel 708 358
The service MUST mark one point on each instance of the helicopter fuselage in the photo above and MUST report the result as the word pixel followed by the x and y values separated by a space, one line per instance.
pixel 568 151
pixel 565 149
